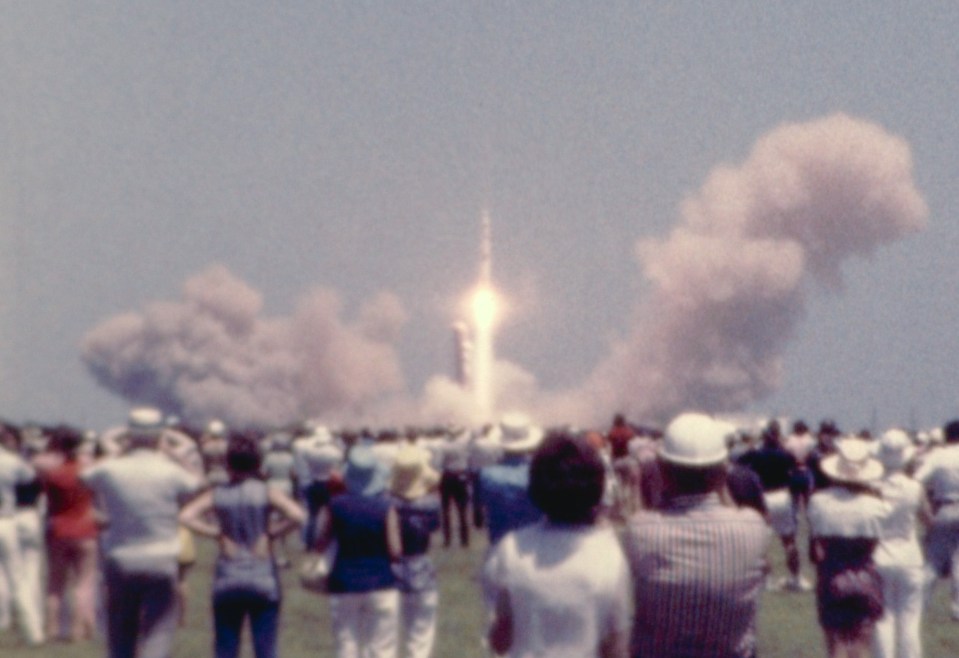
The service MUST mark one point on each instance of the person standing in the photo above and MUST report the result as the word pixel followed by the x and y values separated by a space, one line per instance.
pixel 697 565
pixel 560 586
pixel 317 460
pixel 503 486
pixel 363 595
pixel 14 472
pixel 413 488
pixel 845 524
pixel 775 467
pixel 138 496
pixel 939 474
pixel 245 580
pixel 455 487
pixel 71 535
pixel 899 556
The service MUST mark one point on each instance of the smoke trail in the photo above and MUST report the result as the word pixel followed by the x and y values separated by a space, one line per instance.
pixel 212 354
pixel 728 284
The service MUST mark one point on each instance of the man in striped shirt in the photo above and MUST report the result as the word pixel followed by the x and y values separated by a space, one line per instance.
pixel 698 566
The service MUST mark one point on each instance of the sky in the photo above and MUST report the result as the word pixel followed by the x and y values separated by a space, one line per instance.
pixel 258 210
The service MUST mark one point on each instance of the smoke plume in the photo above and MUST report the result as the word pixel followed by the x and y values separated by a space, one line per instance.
pixel 728 284
pixel 212 354
pixel 726 294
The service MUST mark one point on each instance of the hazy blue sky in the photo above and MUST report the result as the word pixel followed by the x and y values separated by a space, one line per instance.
pixel 353 145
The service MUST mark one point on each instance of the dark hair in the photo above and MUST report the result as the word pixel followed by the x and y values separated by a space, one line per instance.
pixel 950 431
pixel 566 479
pixel 690 480
pixel 243 456
pixel 65 440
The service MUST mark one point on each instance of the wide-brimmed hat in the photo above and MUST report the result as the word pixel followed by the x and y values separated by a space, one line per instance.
pixel 852 462
pixel 896 450
pixel 365 474
pixel 517 433
pixel 695 440
pixel 144 422
pixel 413 476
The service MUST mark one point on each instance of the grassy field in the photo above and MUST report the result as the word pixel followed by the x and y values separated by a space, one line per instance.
pixel 787 620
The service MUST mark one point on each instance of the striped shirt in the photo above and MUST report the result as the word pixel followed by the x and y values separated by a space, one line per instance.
pixel 698 568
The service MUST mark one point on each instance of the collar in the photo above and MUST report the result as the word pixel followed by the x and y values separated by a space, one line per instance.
pixel 693 501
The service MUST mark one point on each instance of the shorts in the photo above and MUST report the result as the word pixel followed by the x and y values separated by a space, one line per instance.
pixel 782 514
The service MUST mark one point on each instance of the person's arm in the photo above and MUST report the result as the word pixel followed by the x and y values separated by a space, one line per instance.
pixel 292 515
pixel 324 530
pixel 394 542
pixel 194 516
pixel 500 635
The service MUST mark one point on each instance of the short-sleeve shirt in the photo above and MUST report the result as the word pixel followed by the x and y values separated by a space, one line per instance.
pixel 503 494
pixel 939 473
pixel 568 588
pixel 899 544
pixel 140 494
pixel 839 512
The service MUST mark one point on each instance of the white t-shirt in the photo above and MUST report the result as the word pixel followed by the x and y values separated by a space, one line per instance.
pixel 569 588
pixel 899 546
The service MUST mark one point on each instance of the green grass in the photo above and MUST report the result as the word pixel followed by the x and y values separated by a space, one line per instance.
pixel 787 621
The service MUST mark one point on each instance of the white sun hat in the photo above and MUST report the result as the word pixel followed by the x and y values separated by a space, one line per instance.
pixel 695 439
pixel 852 462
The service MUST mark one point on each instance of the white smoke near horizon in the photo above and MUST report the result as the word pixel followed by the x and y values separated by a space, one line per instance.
pixel 726 295
pixel 729 283
pixel 212 354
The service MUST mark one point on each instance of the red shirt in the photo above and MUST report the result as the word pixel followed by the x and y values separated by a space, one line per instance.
pixel 69 503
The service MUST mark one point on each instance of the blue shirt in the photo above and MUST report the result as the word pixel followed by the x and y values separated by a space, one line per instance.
pixel 502 491
pixel 362 561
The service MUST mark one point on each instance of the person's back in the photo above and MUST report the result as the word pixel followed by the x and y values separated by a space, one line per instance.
pixel 242 509
pixel 139 495
pixel 560 587
pixel 698 567
pixel 569 588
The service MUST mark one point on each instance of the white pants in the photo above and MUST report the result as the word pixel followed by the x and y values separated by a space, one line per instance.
pixel 13 571
pixel 418 623
pixel 897 633
pixel 365 625
pixel 30 535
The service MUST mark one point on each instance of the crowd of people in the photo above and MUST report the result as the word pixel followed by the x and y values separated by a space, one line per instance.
pixel 633 541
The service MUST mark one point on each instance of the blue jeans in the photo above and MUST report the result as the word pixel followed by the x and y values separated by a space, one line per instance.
pixel 141 613
pixel 229 611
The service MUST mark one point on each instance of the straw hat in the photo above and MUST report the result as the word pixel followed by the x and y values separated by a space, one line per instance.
pixel 518 434
pixel 695 440
pixel 413 476
pixel 852 462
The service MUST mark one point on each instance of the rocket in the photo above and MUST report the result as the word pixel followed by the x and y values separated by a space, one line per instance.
pixel 486 254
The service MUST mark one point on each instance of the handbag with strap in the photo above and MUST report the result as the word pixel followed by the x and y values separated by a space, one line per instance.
pixel 316 568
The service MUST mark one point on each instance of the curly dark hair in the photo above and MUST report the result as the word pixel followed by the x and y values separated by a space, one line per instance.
pixel 566 479
pixel 243 456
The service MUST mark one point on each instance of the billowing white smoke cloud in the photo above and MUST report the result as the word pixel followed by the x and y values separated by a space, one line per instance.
pixel 728 283
pixel 212 354
pixel 726 295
